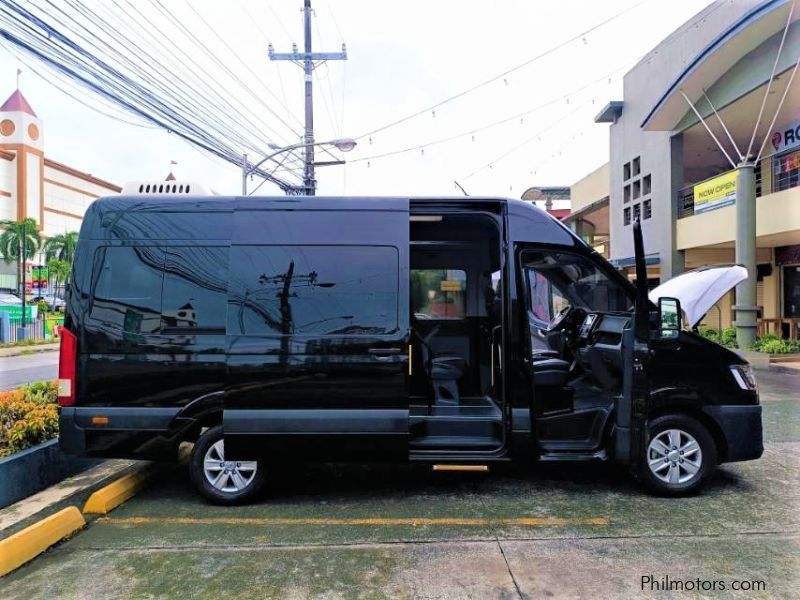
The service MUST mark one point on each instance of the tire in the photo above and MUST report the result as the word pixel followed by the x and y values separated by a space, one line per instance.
pixel 229 482
pixel 678 457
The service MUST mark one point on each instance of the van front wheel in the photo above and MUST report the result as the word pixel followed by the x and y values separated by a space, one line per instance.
pixel 223 481
pixel 680 455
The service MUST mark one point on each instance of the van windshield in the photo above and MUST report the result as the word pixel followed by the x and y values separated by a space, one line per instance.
pixel 557 279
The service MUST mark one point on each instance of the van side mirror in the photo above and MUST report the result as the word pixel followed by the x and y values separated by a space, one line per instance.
pixel 669 317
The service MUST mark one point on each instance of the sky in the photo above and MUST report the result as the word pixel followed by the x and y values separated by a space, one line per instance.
pixel 403 57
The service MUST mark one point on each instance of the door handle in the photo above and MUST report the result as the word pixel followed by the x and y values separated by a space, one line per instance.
pixel 384 351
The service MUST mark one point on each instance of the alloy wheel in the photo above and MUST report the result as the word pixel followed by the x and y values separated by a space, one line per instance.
pixel 674 456
pixel 225 475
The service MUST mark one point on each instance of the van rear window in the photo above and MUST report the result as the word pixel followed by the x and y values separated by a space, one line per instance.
pixel 127 290
pixel 313 290
pixel 195 289
pixel 153 290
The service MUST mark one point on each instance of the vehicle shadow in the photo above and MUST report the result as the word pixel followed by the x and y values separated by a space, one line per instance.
pixel 342 483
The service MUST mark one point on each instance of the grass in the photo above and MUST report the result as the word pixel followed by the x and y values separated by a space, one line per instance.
pixel 28 342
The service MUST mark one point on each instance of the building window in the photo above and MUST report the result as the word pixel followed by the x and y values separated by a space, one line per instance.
pixel 626 193
pixel 647 209
pixel 646 185
pixel 637 189
pixel 636 166
pixel 626 171
pixel 626 216
pixel 637 211
pixel 786 171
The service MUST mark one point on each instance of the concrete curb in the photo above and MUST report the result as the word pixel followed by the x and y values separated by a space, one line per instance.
pixel 29 543
pixel 779 368
pixel 31 470
pixel 26 544
pixel 23 350
pixel 111 496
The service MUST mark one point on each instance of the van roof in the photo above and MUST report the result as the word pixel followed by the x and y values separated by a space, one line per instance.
pixel 156 217
pixel 170 202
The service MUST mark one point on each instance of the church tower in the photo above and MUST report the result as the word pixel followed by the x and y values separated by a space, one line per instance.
pixel 22 144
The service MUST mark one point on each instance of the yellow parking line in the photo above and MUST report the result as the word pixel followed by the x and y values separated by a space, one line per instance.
pixel 374 521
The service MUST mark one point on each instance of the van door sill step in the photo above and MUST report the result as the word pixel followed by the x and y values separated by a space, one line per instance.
pixel 460 467
pixel 573 456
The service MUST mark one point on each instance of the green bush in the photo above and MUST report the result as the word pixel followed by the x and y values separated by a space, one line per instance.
pixel 726 338
pixel 772 344
pixel 709 333
pixel 28 416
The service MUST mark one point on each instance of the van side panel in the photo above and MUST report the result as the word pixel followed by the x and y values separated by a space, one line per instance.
pixel 147 300
pixel 318 333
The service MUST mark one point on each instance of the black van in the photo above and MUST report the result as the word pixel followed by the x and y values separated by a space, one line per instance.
pixel 454 332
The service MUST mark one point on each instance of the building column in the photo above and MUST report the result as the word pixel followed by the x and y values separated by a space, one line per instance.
pixel 745 307
pixel 675 263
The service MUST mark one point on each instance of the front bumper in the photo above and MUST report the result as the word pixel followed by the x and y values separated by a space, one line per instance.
pixel 741 426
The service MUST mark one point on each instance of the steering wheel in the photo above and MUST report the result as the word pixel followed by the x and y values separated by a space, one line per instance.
pixel 559 319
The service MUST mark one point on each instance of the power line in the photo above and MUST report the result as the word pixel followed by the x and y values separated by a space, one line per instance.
pixel 505 73
pixel 96 55
pixel 524 143
pixel 475 130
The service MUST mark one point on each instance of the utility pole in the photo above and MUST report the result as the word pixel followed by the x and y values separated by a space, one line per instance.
pixel 308 61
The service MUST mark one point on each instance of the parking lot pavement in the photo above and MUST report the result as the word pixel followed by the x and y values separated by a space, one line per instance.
pixel 372 531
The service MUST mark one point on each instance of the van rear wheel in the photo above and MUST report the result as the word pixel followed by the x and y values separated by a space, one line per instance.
pixel 223 481
pixel 680 455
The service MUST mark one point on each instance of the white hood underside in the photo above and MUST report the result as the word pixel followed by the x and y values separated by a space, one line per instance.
pixel 700 289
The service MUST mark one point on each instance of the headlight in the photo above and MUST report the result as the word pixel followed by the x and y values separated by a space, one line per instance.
pixel 743 374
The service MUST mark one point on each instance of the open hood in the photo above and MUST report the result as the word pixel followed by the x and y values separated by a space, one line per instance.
pixel 700 289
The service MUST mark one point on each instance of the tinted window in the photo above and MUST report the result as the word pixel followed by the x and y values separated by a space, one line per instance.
pixel 195 287
pixel 572 279
pixel 313 290
pixel 544 300
pixel 127 288
pixel 438 293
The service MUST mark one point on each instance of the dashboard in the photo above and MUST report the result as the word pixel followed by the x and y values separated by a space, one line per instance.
pixel 599 348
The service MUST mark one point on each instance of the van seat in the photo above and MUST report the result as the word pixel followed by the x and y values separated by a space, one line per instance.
pixel 550 371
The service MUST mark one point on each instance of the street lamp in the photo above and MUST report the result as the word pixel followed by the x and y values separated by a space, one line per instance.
pixel 341 144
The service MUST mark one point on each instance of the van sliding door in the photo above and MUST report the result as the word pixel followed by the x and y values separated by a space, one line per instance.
pixel 317 331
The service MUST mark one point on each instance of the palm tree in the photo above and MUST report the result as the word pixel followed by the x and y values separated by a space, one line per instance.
pixel 61 246
pixel 59 270
pixel 17 234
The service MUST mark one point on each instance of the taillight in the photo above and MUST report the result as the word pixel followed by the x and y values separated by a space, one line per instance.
pixel 67 368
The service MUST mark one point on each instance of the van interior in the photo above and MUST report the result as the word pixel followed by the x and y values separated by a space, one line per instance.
pixel 576 314
pixel 456 322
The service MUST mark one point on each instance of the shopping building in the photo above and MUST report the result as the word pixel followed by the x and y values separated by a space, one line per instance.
pixel 33 185
pixel 666 168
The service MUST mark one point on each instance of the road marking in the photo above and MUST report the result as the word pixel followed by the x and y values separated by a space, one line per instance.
pixel 372 521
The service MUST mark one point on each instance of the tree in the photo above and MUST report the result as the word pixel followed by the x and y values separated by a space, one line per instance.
pixel 61 246
pixel 17 234
pixel 59 270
